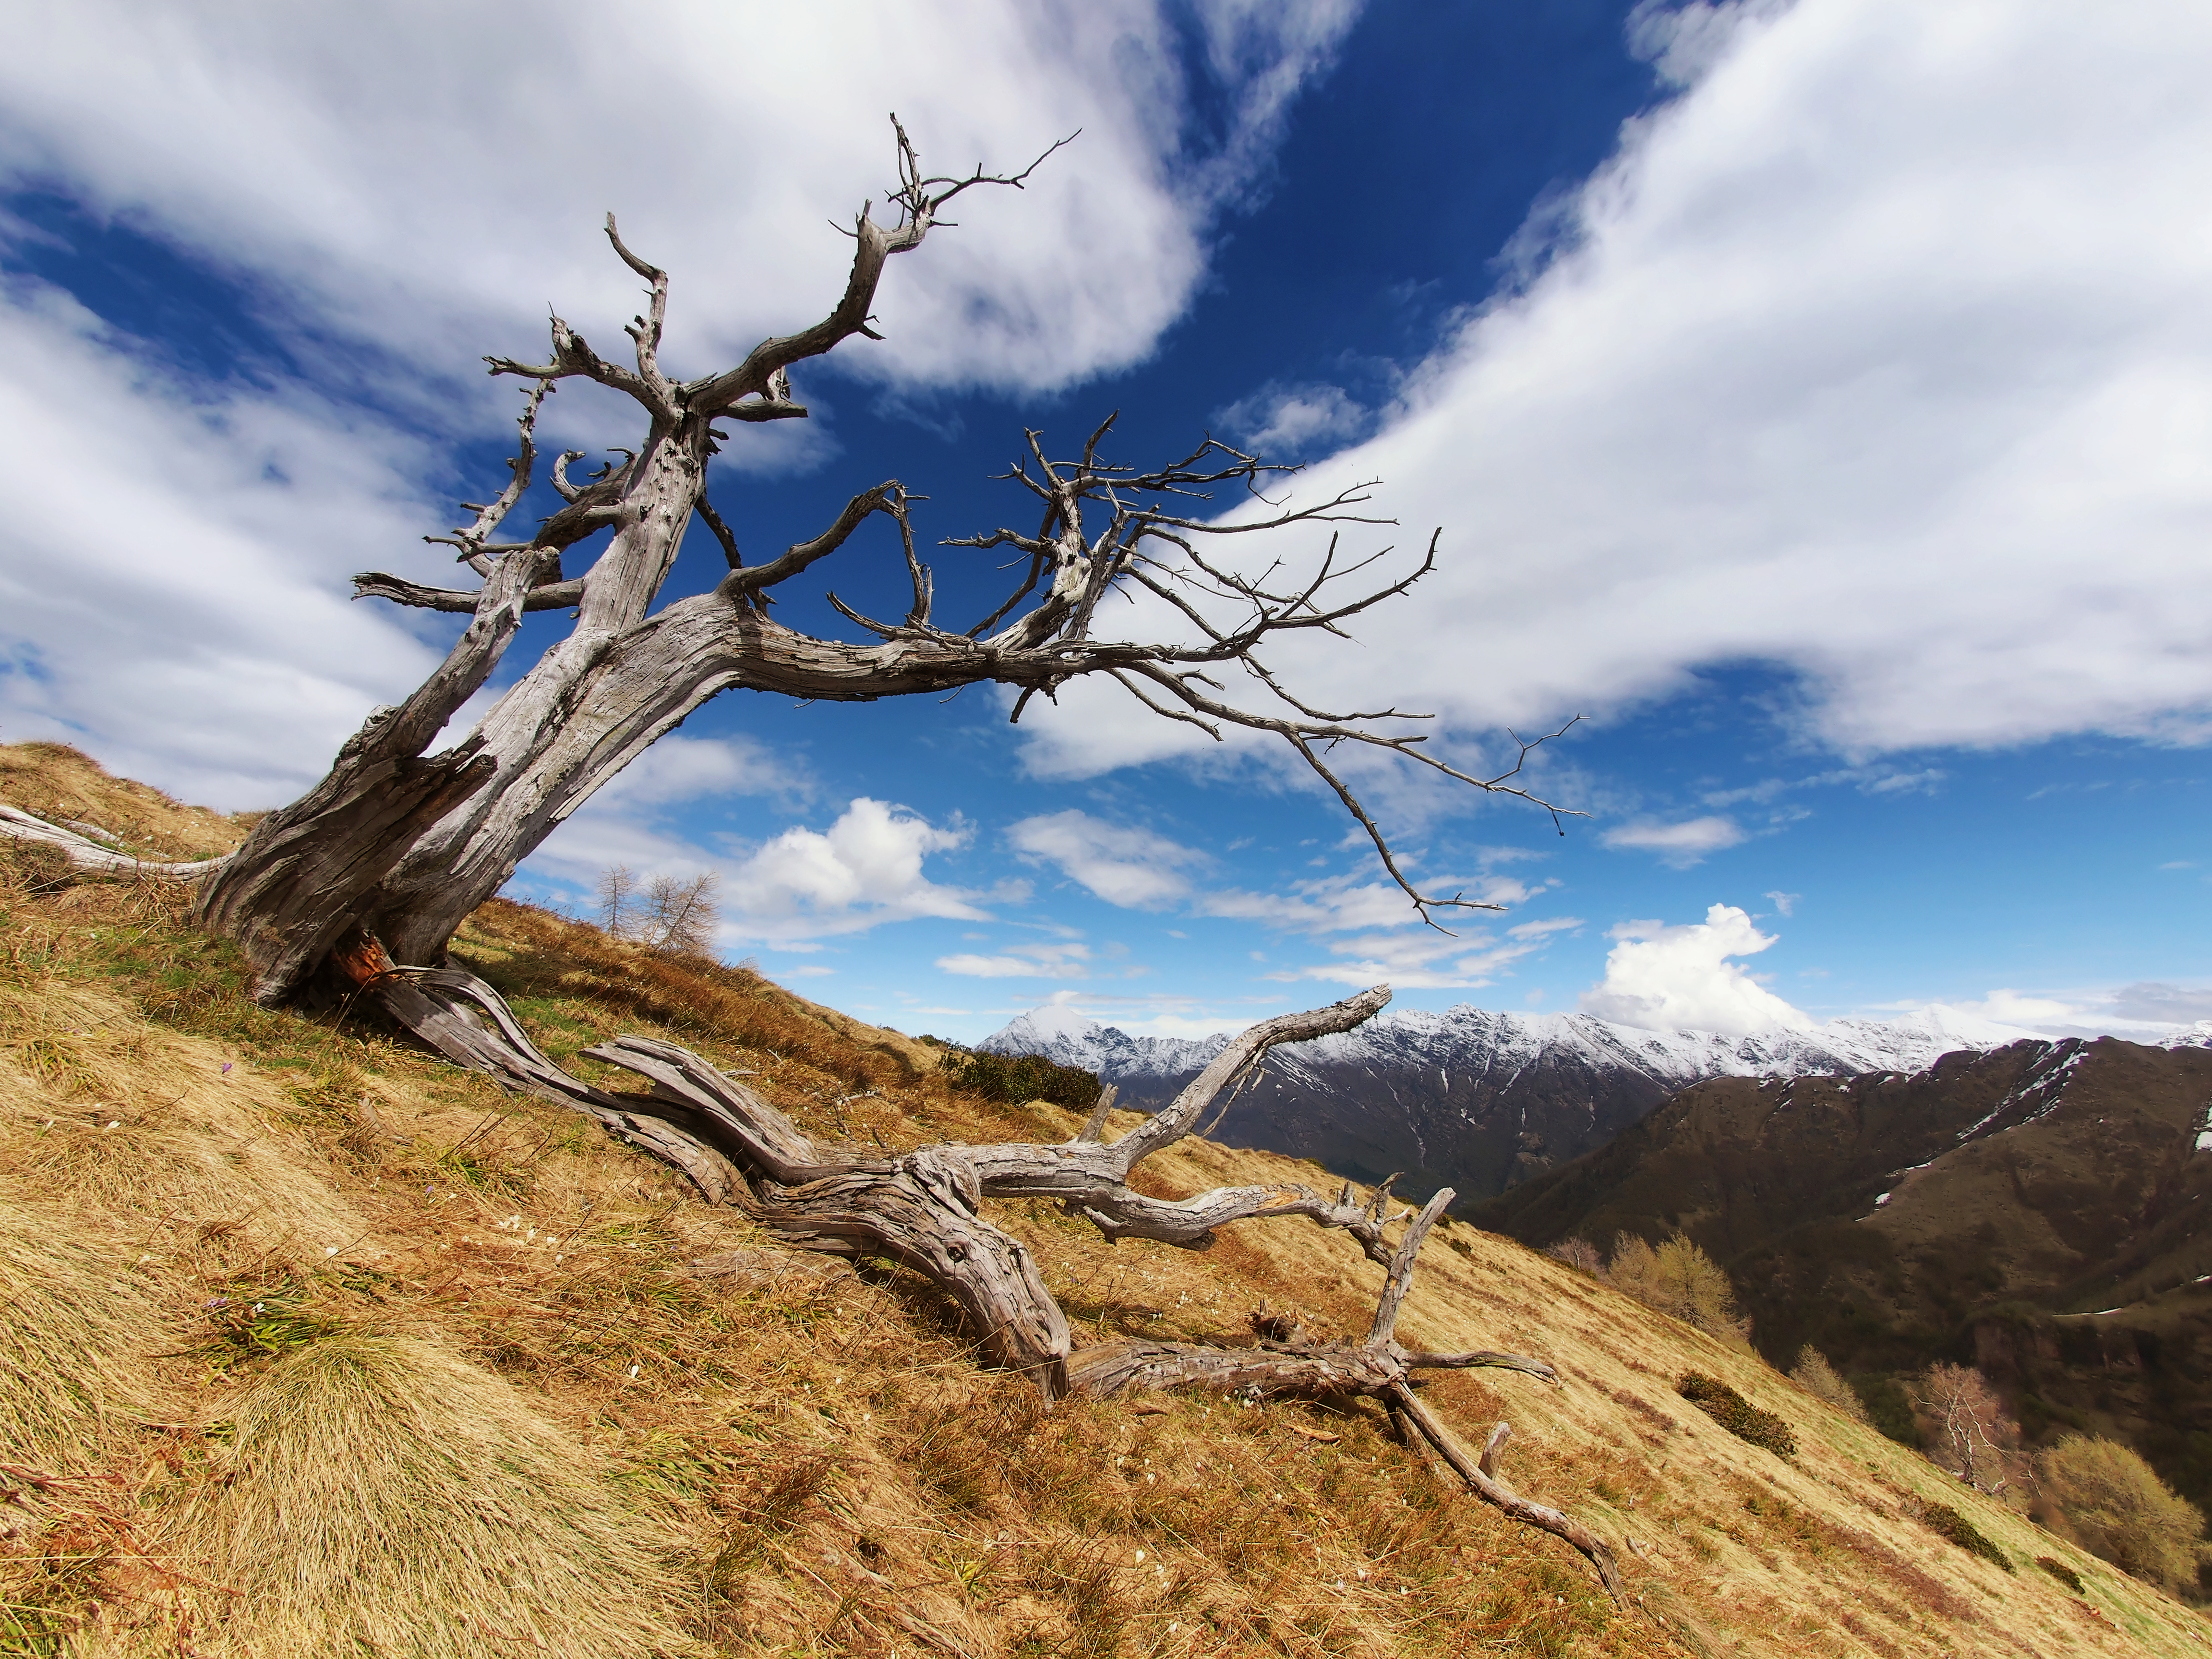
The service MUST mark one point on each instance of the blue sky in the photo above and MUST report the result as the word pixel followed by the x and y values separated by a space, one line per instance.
pixel 1817 399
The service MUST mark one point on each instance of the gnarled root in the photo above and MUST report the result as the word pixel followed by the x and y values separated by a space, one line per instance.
pixel 922 1209
pixel 1377 1368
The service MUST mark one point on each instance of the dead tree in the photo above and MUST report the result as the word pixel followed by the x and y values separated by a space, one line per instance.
pixel 387 856
pixel 398 844
pixel 923 1209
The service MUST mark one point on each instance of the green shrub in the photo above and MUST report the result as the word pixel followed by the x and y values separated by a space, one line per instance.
pixel 2058 1570
pixel 1887 1407
pixel 1017 1079
pixel 1738 1415
pixel 1943 1519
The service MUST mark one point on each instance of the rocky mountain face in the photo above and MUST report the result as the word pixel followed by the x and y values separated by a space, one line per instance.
pixel 2042 1210
pixel 1475 1100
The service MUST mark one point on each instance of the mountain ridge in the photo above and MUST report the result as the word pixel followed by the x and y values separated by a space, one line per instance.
pixel 1476 1099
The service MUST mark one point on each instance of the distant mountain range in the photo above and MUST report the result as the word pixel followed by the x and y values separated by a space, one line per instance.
pixel 2042 1210
pixel 1476 1100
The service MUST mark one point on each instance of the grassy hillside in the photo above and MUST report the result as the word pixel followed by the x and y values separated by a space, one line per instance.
pixel 311 1344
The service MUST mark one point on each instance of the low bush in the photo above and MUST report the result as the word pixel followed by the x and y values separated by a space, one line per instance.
pixel 1737 1415
pixel 1018 1078
pixel 2058 1570
pixel 1948 1522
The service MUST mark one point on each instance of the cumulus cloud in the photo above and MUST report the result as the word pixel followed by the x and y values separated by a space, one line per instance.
pixel 864 870
pixel 1136 869
pixel 1680 845
pixel 1682 978
pixel 799 885
pixel 1878 354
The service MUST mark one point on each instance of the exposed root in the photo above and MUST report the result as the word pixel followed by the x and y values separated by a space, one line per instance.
pixel 922 1209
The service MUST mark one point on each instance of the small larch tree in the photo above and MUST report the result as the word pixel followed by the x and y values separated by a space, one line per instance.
pixel 2124 1511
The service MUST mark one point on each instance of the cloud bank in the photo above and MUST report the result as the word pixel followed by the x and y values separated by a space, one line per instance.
pixel 393 190
pixel 1879 353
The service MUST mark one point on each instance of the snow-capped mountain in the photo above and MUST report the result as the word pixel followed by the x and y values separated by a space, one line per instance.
pixel 1475 1099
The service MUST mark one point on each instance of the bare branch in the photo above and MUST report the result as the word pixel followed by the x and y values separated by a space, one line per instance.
pixel 87 854
pixel 885 497
pixel 646 331
pixel 490 515
pixel 375 585
pixel 572 357
pixel 919 199
pixel 721 533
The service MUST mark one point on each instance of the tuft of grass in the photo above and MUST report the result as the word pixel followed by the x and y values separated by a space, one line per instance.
pixel 75 1328
pixel 380 1495
pixel 1948 1522
pixel 1746 1421
pixel 249 1324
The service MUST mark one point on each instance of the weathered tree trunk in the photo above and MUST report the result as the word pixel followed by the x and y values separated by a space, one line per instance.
pixel 402 844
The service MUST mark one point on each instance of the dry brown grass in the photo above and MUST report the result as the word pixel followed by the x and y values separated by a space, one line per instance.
pixel 360 1295
pixel 378 1494
pixel 76 1336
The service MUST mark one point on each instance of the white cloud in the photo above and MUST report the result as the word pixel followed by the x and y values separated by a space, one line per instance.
pixel 1785 904
pixel 1879 354
pixel 1059 961
pixel 1293 419
pixel 397 190
pixel 1545 928
pixel 429 176
pixel 1135 869
pixel 865 870
pixel 1682 978
pixel 1336 904
pixel 678 769
pixel 1680 845
pixel 173 591
pixel 801 885
pixel 1420 959
pixel 2144 1012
